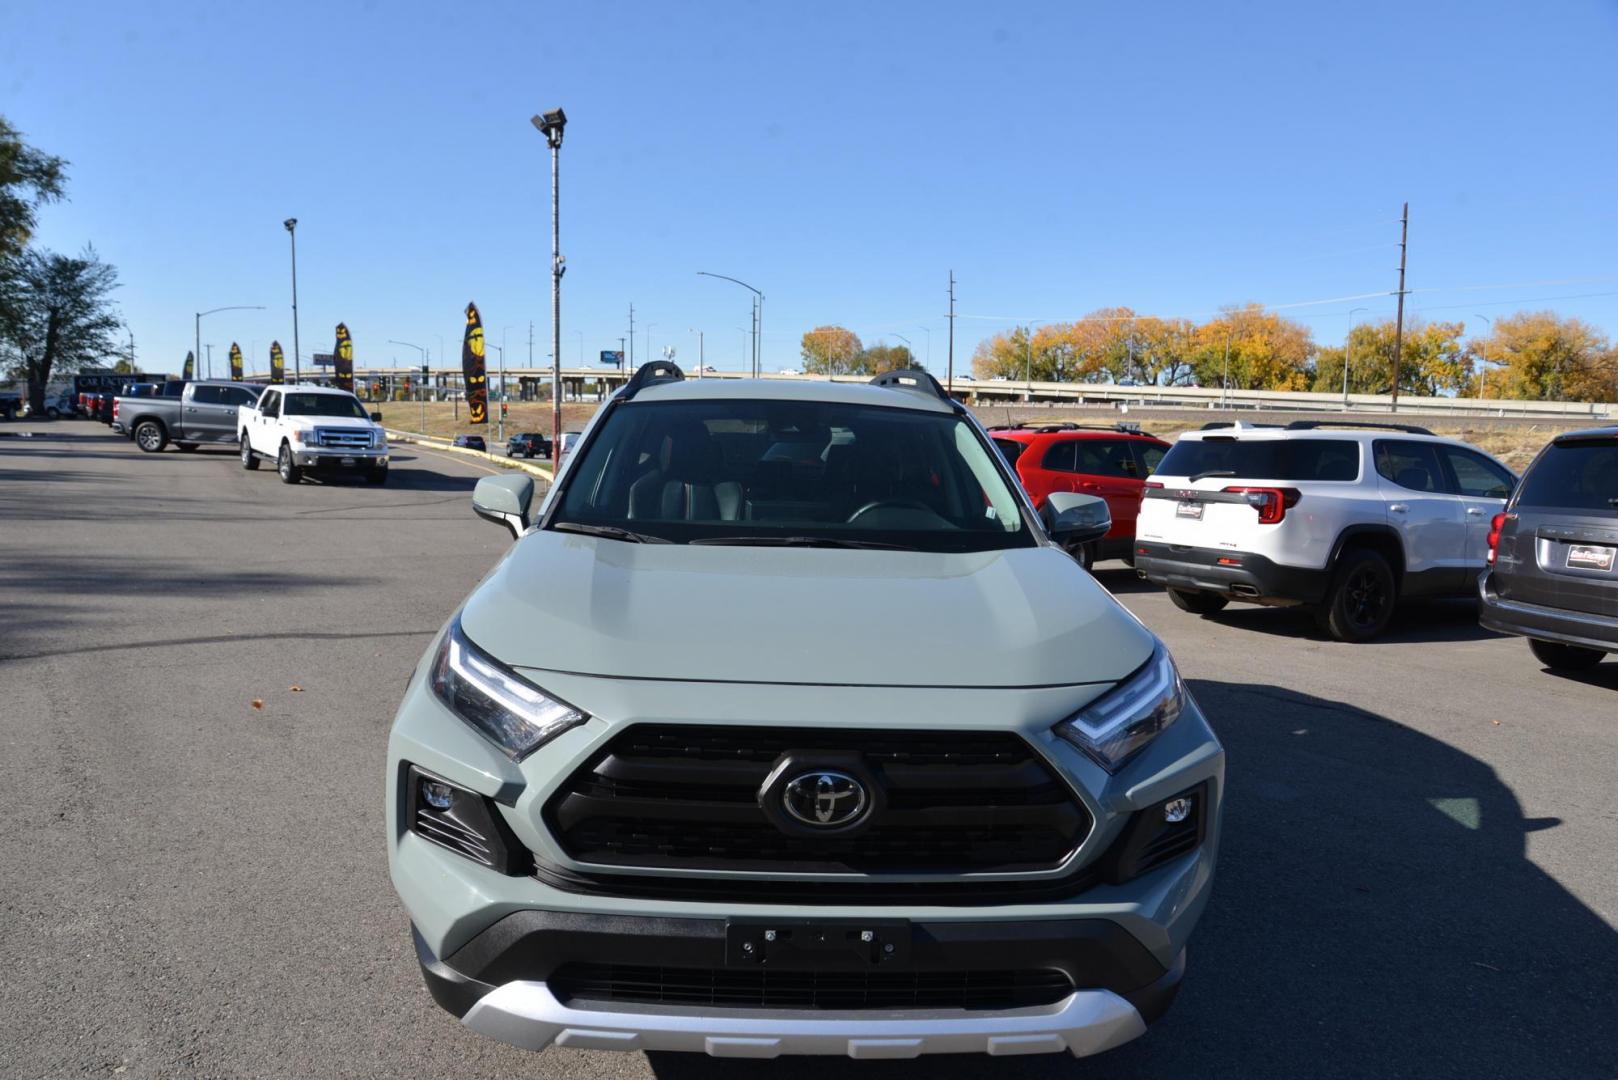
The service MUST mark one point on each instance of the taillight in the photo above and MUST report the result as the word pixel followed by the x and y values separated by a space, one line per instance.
pixel 115 408
pixel 1496 523
pixel 1272 504
pixel 1149 485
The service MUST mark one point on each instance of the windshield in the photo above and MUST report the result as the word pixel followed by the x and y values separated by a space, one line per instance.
pixel 1263 459
pixel 791 472
pixel 324 405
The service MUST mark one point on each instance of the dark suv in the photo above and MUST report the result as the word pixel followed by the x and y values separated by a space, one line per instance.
pixel 1553 554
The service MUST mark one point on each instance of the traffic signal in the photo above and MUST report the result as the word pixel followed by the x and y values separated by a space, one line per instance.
pixel 504 408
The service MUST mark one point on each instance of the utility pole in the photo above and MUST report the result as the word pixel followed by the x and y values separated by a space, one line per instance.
pixel 1028 362
pixel 550 124
pixel 291 225
pixel 949 383
pixel 209 347
pixel 1399 324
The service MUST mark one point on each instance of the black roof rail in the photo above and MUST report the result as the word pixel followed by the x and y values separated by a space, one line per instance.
pixel 650 374
pixel 1310 425
pixel 913 379
pixel 1123 427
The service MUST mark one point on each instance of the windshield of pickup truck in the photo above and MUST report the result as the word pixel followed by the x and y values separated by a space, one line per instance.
pixel 339 405
pixel 791 473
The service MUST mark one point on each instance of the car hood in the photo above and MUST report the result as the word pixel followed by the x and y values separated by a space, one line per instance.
pixel 1021 618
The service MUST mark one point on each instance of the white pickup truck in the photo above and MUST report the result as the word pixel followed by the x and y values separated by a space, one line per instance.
pixel 313 429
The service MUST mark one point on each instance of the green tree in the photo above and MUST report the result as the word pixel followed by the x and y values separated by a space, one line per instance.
pixel 831 350
pixel 28 179
pixel 56 316
pixel 1433 360
pixel 880 358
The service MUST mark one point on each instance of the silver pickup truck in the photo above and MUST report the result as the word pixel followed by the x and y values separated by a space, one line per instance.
pixel 205 412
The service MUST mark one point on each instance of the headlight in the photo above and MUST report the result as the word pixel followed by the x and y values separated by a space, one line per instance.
pixel 1115 726
pixel 307 438
pixel 379 438
pixel 510 711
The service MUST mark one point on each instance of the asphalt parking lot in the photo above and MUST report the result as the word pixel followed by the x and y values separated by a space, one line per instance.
pixel 1419 874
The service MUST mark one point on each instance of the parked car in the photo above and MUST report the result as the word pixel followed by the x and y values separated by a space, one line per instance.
pixel 1553 554
pixel 313 429
pixel 1348 518
pixel 205 412
pixel 570 439
pixel 1112 462
pixel 11 404
pixel 530 445
pixel 470 442
pixel 910 780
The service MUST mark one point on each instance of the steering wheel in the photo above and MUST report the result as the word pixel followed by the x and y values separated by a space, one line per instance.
pixel 888 504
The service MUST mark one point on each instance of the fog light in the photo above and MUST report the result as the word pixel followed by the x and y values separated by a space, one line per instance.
pixel 1176 810
pixel 440 796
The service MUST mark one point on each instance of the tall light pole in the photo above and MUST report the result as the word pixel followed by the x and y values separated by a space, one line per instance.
pixel 758 313
pixel 1483 376
pixel 929 333
pixel 423 351
pixel 550 125
pixel 701 356
pixel 1348 343
pixel 291 225
pixel 200 314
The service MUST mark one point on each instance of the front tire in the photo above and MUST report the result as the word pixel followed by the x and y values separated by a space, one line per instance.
pixel 150 436
pixel 1565 658
pixel 1197 603
pixel 1362 597
pixel 1084 555
pixel 249 459
pixel 290 473
pixel 53 414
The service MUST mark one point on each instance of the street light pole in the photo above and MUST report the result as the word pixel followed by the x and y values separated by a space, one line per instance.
pixel 1483 376
pixel 200 314
pixel 758 313
pixel 700 353
pixel 1347 345
pixel 291 225
pixel 550 124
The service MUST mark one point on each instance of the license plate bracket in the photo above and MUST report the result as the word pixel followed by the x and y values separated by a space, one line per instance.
pixel 1590 557
pixel 347 463
pixel 817 944
pixel 1188 509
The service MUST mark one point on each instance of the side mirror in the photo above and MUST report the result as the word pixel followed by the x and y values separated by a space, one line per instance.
pixel 504 500
pixel 1071 518
pixel 377 417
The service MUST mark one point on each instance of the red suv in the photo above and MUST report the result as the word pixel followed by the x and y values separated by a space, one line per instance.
pixel 1112 462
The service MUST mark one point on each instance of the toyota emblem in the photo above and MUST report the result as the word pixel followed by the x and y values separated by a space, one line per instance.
pixel 825 799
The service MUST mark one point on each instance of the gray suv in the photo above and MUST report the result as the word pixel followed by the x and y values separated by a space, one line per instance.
pixel 1553 554
pixel 787 726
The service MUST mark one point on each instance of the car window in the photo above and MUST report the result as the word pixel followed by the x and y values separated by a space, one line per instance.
pixel 1476 476
pixel 1106 457
pixel 208 395
pixel 1150 456
pixel 712 471
pixel 1264 458
pixel 1411 465
pixel 1575 474
pixel 1010 449
pixel 337 405
pixel 271 404
pixel 1060 457
pixel 239 395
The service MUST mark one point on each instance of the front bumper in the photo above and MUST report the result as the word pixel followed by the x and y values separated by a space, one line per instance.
pixel 1559 625
pixel 1242 576
pixel 328 459
pixel 500 984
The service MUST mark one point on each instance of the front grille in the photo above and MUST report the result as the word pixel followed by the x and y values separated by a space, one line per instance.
pixel 441 828
pixel 668 796
pixel 343 438
pixel 760 988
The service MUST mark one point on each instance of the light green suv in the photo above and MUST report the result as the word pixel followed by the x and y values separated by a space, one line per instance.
pixel 787 727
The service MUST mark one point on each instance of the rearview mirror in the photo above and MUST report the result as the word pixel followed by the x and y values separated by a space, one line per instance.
pixel 377 417
pixel 1071 518
pixel 504 500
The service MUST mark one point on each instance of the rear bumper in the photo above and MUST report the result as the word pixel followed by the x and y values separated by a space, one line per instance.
pixel 1543 623
pixel 1252 577
pixel 498 985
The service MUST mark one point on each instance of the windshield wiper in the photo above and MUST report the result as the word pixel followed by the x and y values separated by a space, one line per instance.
pixel 798 541
pixel 609 532
pixel 1205 474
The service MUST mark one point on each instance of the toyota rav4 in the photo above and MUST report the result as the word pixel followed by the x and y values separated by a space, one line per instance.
pixel 748 750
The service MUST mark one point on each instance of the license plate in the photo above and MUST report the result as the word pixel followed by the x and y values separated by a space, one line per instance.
pixel 347 462
pixel 1191 510
pixel 1590 556
pixel 817 945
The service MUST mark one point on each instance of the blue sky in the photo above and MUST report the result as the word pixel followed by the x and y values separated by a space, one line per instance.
pixel 841 157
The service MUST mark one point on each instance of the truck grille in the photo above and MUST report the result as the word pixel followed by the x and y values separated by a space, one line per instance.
pixel 343 438
pixel 670 796
pixel 758 988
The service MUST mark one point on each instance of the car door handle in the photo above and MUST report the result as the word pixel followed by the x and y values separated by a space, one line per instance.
pixel 1398 508
pixel 1472 511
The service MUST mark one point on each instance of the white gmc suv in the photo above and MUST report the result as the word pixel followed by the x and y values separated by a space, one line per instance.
pixel 1343 516
pixel 313 429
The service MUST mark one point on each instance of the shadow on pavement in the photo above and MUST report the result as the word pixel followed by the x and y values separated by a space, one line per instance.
pixel 1375 914
pixel 1414 621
